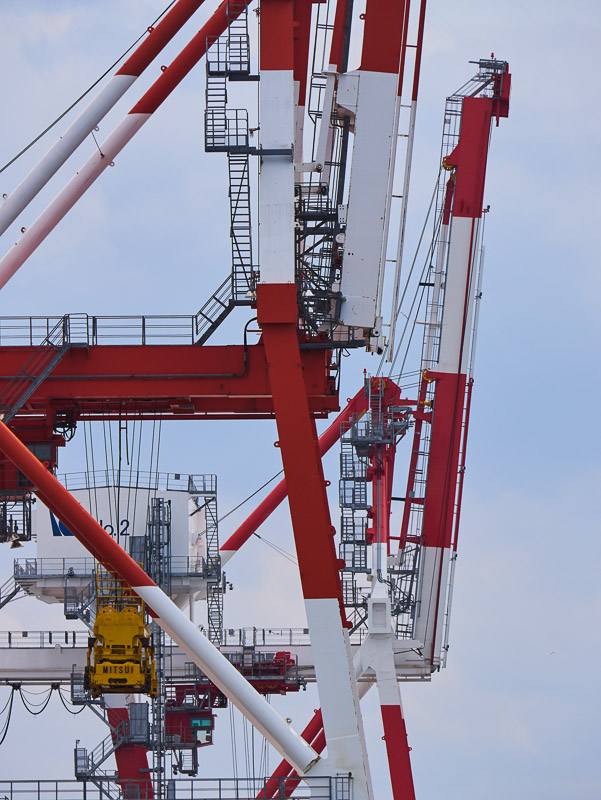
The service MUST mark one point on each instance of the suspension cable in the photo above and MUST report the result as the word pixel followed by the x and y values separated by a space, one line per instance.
pixel 75 713
pixel 41 706
pixel 279 550
pixel 87 92
pixel 410 275
pixel 250 496
pixel 8 717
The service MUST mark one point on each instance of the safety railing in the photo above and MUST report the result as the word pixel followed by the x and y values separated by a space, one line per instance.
pixel 33 568
pixel 154 481
pixel 275 637
pixel 40 639
pixel 324 788
pixel 83 329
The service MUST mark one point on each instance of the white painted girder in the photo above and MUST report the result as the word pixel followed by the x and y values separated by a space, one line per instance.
pixel 53 663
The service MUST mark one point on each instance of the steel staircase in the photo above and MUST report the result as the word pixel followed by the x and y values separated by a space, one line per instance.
pixel 81 604
pixel 87 764
pixel 214 587
pixel 8 591
pixel 67 333
pixel 243 276
pixel 214 311
pixel 239 287
pixel 227 131
pixel 187 761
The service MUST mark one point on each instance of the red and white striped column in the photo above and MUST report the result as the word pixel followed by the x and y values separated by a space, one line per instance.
pixel 451 369
pixel 277 312
pixel 377 652
pixel 75 134
pixel 132 759
pixel 112 146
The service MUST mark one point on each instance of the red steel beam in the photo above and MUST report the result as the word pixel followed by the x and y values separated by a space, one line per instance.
pixel 311 522
pixel 184 381
pixel 356 405
pixel 132 759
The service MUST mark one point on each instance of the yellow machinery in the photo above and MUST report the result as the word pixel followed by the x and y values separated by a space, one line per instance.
pixel 120 656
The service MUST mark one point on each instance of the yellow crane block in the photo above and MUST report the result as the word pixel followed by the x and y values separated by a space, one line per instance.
pixel 120 656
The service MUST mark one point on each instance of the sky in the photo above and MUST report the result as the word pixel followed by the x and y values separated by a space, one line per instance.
pixel 516 711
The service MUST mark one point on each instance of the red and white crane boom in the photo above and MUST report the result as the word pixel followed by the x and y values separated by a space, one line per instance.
pixel 158 37
pixel 432 507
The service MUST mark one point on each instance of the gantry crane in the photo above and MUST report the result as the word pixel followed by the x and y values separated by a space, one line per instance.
pixel 317 288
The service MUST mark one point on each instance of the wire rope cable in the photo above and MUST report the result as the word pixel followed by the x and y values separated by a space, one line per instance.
pixel 279 550
pixel 42 706
pixel 6 704
pixel 409 276
pixel 250 496
pixel 62 699
pixel 10 703
pixel 86 93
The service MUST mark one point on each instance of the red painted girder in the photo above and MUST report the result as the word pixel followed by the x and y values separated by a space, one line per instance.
pixel 356 405
pixel 305 483
pixel 132 759
pixel 397 748
pixel 184 381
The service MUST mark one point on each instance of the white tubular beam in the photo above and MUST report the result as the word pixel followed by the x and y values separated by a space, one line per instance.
pixel 338 696
pixel 61 205
pixel 143 110
pixel 62 149
pixel 224 675
pixel 75 134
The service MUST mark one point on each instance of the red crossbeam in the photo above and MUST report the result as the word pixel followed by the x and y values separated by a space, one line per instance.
pixel 182 381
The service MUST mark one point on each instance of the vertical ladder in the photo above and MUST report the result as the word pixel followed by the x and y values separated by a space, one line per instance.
pixel 214 587
pixel 158 559
pixel 238 41
pixel 354 505
pixel 215 98
pixel 227 131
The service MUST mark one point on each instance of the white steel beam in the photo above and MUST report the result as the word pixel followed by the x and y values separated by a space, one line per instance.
pixel 108 96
